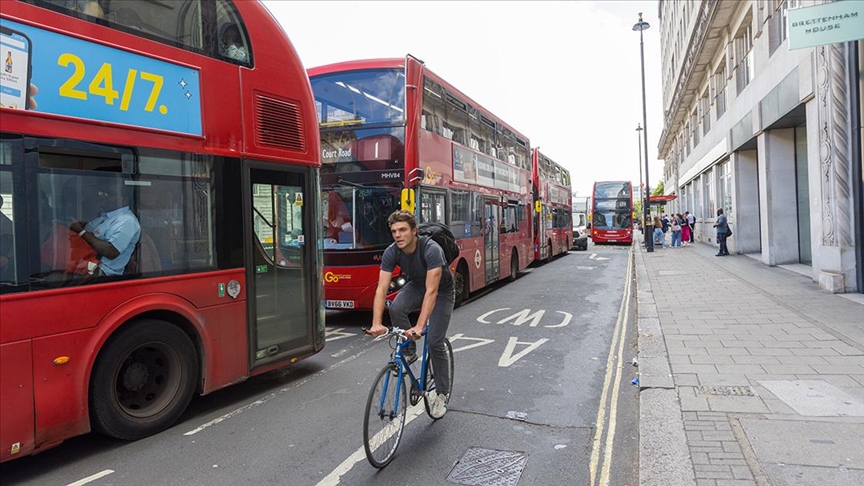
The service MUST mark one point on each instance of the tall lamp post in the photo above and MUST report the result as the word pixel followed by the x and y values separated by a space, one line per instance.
pixel 649 237
pixel 641 188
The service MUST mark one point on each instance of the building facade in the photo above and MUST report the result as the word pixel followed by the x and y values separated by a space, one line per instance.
pixel 769 134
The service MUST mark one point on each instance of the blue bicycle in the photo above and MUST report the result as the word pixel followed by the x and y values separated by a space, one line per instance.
pixel 387 406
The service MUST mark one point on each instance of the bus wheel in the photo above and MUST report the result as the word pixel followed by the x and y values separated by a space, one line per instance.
pixel 549 253
pixel 514 265
pixel 143 380
pixel 460 286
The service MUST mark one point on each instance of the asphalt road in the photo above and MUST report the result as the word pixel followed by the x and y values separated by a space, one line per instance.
pixel 535 396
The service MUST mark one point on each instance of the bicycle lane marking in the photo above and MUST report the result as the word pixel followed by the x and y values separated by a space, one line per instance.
pixel 413 412
pixel 618 336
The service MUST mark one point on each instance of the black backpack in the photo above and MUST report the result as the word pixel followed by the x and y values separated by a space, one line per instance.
pixel 441 234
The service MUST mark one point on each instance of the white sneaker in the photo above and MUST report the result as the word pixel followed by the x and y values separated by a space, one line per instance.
pixel 439 405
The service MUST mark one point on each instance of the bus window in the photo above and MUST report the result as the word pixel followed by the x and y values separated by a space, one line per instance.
pixel 233 41
pixel 432 207
pixel 8 266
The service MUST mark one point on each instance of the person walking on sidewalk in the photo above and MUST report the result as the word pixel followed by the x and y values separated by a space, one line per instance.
pixel 685 229
pixel 659 237
pixel 691 221
pixel 722 226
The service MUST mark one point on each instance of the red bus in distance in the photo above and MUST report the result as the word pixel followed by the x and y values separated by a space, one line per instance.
pixel 612 212
pixel 553 224
pixel 185 141
pixel 395 135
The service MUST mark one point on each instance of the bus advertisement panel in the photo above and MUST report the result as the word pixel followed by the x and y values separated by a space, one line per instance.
pixel 612 212
pixel 157 227
pixel 394 135
pixel 553 219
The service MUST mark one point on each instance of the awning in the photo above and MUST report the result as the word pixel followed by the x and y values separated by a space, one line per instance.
pixel 659 200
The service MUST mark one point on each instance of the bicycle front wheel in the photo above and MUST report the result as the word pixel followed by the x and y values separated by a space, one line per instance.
pixel 385 417
pixel 430 381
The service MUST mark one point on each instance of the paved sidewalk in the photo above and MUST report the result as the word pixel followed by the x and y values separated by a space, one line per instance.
pixel 749 374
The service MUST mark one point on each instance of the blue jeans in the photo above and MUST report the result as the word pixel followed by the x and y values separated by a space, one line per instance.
pixel 659 237
pixel 410 299
pixel 676 238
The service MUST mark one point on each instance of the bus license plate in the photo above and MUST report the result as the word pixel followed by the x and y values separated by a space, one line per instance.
pixel 339 304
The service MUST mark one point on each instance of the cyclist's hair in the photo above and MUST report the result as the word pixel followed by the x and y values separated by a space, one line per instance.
pixel 402 216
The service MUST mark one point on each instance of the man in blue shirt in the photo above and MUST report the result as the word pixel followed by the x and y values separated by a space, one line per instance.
pixel 430 288
pixel 722 226
pixel 113 234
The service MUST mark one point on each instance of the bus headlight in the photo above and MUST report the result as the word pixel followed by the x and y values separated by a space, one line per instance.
pixel 397 283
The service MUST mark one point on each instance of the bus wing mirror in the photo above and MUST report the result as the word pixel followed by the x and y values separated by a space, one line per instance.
pixel 407 200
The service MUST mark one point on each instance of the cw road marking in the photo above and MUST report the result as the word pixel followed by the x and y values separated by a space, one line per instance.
pixel 618 338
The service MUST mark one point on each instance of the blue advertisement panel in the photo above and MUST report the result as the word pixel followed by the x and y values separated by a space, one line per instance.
pixel 53 73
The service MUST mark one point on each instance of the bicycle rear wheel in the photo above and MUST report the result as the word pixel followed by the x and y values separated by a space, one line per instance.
pixel 384 419
pixel 430 380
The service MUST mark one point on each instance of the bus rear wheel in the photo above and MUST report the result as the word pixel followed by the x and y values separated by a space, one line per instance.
pixel 460 286
pixel 514 265
pixel 143 380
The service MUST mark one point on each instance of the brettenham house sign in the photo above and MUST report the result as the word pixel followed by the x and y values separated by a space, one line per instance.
pixel 827 23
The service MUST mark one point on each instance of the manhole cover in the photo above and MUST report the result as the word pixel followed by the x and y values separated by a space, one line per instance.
pixel 728 391
pixel 482 467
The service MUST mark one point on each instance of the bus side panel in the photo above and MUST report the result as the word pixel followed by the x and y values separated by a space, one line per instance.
pixel 356 284
pixel 61 407
pixel 226 337
pixel 16 400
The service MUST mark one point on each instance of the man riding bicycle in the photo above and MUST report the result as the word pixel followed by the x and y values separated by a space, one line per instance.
pixel 430 288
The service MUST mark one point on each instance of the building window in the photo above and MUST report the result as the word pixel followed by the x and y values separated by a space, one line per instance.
pixel 724 187
pixel 744 56
pixel 718 89
pixel 777 32
pixel 694 124
pixel 706 114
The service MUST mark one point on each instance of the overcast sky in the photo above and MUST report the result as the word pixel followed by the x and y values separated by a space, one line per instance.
pixel 565 74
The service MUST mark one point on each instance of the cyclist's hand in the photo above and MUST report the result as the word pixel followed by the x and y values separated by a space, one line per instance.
pixel 376 330
pixel 415 333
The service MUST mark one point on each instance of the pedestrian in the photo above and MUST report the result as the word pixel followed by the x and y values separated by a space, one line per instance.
pixel 659 237
pixel 691 220
pixel 722 226
pixel 665 222
pixel 675 226
pixel 685 230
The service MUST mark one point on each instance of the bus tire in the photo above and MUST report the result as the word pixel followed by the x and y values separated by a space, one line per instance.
pixel 514 265
pixel 143 380
pixel 461 286
pixel 549 252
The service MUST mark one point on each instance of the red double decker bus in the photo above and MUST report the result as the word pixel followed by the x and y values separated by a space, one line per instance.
pixel 179 140
pixel 612 212
pixel 553 218
pixel 395 135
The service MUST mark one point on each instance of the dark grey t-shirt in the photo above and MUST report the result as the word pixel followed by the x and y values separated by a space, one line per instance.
pixel 412 265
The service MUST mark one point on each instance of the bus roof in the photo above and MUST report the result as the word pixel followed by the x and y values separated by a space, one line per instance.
pixel 399 63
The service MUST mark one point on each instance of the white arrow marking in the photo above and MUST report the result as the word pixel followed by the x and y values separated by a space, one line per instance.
pixel 508 358
pixel 336 332
pixel 598 258
pixel 481 342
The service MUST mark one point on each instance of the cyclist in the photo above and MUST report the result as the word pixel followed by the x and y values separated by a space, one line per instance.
pixel 430 288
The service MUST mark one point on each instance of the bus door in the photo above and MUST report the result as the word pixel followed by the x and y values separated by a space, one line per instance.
pixel 491 238
pixel 280 266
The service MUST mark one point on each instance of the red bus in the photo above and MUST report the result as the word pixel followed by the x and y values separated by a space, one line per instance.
pixel 553 218
pixel 394 134
pixel 201 161
pixel 612 212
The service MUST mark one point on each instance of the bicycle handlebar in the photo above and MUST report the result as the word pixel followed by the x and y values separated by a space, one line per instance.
pixel 400 333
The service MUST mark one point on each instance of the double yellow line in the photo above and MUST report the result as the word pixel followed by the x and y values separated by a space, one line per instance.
pixel 618 339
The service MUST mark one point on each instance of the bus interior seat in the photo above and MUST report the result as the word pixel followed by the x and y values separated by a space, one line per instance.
pixel 148 255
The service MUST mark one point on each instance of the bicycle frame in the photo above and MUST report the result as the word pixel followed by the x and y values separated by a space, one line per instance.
pixel 402 365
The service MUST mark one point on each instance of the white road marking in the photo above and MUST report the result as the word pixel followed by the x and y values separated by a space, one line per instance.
pixel 92 478
pixel 460 336
pixel 332 479
pixel 594 256
pixel 508 358
pixel 336 334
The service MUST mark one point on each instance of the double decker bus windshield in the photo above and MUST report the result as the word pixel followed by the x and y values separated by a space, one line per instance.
pixel 365 97
pixel 356 217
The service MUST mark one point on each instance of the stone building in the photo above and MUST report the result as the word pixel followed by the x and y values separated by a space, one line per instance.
pixel 769 134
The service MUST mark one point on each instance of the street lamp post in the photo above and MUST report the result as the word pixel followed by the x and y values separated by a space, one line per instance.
pixel 641 188
pixel 649 238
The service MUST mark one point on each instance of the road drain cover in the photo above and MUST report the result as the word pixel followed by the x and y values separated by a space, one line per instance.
pixel 728 391
pixel 488 467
